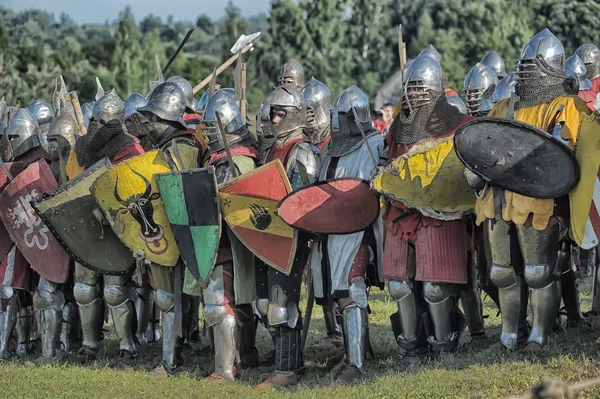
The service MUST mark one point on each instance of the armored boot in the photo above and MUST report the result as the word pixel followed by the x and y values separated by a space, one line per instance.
pixel 23 330
pixel 224 343
pixel 356 339
pixel 246 336
pixel 91 314
pixel 407 323
pixel 50 302
pixel 171 343
pixel 119 298
pixel 8 321
pixel 448 321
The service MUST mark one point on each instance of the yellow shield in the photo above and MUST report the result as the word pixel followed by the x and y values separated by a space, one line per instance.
pixel 428 177
pixel 585 198
pixel 132 204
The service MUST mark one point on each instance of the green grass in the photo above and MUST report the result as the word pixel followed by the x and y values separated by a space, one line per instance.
pixel 571 357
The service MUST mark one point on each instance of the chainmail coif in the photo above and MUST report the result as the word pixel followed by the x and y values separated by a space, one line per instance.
pixel 101 140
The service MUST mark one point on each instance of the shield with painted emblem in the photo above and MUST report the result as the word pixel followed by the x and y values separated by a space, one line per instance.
pixel 132 204
pixel 192 204
pixel 428 177
pixel 75 219
pixel 27 230
pixel 517 156
pixel 249 204
pixel 14 168
pixel 335 206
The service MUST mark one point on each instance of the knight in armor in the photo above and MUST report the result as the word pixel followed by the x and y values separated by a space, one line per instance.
pixel 228 298
pixel 344 266
pixel 425 258
pixel 544 97
pixel 56 302
pixel 132 103
pixel 590 54
pixel 479 86
pixel 292 72
pixel 44 114
pixel 20 280
pixel 317 97
pixel 106 137
pixel 279 298
pixel 165 128
pixel 492 60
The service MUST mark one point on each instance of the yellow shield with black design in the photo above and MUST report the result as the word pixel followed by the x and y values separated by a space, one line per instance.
pixel 131 202
pixel 428 177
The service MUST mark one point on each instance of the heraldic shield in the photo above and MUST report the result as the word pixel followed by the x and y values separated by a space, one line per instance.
pixel 517 156
pixel 192 204
pixel 27 230
pixel 14 168
pixel 131 202
pixel 75 219
pixel 335 206
pixel 249 204
pixel 428 177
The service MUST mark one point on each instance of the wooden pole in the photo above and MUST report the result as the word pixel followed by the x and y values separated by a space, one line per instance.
pixel 220 69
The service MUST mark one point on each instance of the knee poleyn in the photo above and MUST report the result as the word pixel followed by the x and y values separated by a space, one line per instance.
pixel 503 276
pixel 539 276
pixel 117 295
pixel 399 289
pixel 86 294
pixel 164 300
pixel 278 315
pixel 437 293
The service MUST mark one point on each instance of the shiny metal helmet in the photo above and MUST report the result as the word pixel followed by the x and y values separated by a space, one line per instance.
pixel 42 111
pixel 23 132
pixel 493 60
pixel 262 117
pixel 187 89
pixel 86 111
pixel 423 80
pixel 109 107
pixel 348 98
pixel 479 86
pixel 432 52
pixel 234 127
pixel 288 98
pixel 590 54
pixel 62 134
pixel 505 88
pixel 543 55
pixel 317 98
pixel 575 66
pixel 167 102
pixel 292 72
pixel 455 101
pixel 133 102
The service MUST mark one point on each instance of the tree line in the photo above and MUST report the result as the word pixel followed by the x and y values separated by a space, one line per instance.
pixel 341 42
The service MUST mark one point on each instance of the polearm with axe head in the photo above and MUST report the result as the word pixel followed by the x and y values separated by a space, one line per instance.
pixel 243 44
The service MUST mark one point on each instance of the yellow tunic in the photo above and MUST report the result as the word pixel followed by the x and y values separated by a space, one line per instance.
pixel 519 207
pixel 73 168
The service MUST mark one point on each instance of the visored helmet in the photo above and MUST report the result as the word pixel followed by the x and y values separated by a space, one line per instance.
pixel 590 54
pixel 62 134
pixel 575 66
pixel 288 100
pixel 223 103
pixel 317 98
pixel 423 81
pixel 292 72
pixel 342 106
pixel 479 86
pixel 493 60
pixel 543 55
pixel 23 132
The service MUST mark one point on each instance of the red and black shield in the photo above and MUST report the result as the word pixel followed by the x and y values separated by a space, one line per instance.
pixel 14 168
pixel 25 227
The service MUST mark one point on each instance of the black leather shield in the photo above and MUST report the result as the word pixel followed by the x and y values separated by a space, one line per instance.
pixel 517 156
pixel 75 219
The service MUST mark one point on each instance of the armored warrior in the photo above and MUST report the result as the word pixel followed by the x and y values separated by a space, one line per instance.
pixel 228 298
pixel 19 280
pixel 278 299
pixel 292 72
pixel 344 266
pixel 106 137
pixel 493 60
pixel 165 128
pixel 479 85
pixel 590 54
pixel 543 98
pixel 44 114
pixel 425 256
pixel 55 301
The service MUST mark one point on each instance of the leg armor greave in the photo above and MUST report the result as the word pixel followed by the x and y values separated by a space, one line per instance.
pixel 288 352
pixel 407 323
pixel 144 305
pixel 569 284
pixel 88 295
pixel 539 249
pixel 23 330
pixel 448 321
pixel 246 335
pixel 171 342
pixel 331 324
pixel 8 319
pixel 356 324
pixel 120 299
pixel 68 313
pixel 50 302
pixel 472 303
pixel 223 327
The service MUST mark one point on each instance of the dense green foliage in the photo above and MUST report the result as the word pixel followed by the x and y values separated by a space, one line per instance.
pixel 341 42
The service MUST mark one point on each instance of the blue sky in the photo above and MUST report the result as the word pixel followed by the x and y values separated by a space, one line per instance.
pixel 90 11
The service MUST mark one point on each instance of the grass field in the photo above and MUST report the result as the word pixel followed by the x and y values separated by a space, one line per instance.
pixel 571 357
